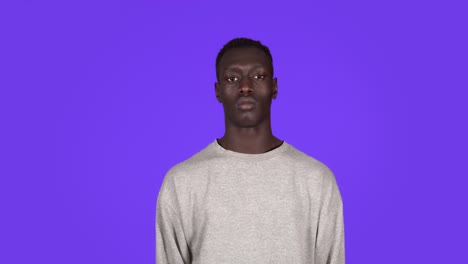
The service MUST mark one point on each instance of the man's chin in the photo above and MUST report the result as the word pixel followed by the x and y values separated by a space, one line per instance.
pixel 248 122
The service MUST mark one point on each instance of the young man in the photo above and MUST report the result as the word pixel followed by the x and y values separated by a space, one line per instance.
pixel 249 197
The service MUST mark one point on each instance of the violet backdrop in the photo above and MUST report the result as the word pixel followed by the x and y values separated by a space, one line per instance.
pixel 99 99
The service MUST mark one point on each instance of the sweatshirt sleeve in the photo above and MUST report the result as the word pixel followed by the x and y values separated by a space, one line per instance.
pixel 171 243
pixel 330 232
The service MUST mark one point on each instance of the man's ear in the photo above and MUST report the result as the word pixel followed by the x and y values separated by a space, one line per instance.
pixel 218 97
pixel 275 88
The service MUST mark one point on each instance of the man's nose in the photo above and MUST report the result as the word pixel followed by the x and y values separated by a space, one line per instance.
pixel 245 86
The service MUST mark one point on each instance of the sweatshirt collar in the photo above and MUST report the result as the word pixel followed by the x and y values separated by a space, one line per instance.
pixel 249 157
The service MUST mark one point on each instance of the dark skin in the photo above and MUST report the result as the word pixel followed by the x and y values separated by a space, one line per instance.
pixel 246 88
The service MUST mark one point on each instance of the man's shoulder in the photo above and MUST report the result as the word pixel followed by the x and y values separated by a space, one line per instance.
pixel 302 161
pixel 181 175
pixel 194 162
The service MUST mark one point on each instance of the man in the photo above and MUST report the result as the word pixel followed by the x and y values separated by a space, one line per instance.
pixel 249 197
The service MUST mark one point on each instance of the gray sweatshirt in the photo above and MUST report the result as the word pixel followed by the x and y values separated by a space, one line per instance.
pixel 223 207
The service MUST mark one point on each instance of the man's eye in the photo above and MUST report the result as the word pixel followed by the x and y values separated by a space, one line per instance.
pixel 259 76
pixel 232 79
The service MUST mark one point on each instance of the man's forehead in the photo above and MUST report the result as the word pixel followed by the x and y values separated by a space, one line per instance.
pixel 244 56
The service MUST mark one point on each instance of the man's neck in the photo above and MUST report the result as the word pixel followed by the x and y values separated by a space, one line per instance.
pixel 254 140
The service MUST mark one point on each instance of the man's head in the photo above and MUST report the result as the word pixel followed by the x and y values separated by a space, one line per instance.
pixel 245 86
pixel 242 43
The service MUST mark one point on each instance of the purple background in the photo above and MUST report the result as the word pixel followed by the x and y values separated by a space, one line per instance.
pixel 99 99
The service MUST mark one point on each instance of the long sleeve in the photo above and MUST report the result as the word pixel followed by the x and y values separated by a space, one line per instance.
pixel 171 244
pixel 330 232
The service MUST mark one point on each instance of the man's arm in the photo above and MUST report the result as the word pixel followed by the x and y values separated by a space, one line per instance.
pixel 171 244
pixel 330 232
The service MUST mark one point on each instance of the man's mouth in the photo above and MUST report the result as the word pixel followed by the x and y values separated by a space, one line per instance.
pixel 246 103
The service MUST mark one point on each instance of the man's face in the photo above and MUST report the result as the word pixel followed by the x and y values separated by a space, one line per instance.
pixel 246 86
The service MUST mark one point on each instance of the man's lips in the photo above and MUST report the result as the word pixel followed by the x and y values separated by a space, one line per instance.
pixel 245 103
pixel 246 100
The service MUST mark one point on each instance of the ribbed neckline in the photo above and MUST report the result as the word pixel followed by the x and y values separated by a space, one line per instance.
pixel 249 157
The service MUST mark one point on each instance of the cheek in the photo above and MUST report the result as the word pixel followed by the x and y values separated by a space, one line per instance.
pixel 265 94
pixel 228 91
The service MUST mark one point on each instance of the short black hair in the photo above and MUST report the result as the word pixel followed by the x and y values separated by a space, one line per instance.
pixel 242 43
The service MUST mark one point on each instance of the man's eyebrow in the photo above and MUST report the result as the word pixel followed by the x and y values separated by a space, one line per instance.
pixel 240 66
